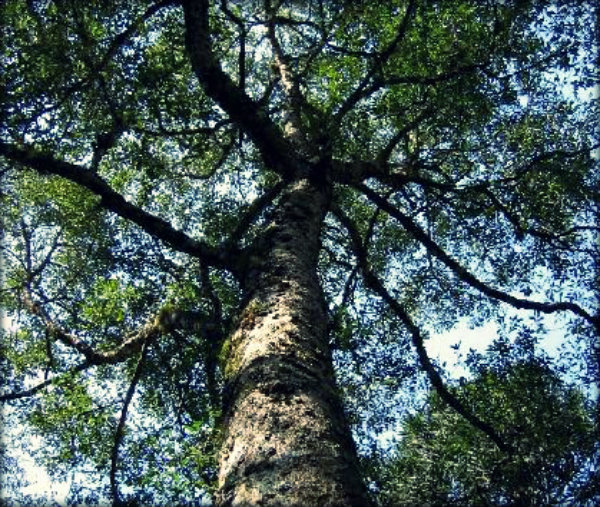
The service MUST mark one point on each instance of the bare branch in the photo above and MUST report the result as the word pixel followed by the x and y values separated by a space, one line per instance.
pixel 130 345
pixel 274 148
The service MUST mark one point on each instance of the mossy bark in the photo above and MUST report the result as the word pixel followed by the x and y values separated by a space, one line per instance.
pixel 286 441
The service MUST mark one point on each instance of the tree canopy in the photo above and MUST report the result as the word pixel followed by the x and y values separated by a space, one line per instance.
pixel 424 162
pixel 554 455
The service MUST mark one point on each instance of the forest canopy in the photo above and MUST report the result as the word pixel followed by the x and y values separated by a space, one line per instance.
pixel 230 227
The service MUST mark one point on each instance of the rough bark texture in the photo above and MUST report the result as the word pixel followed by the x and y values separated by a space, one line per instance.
pixel 286 441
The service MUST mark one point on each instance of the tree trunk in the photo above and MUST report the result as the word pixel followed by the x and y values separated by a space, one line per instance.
pixel 286 441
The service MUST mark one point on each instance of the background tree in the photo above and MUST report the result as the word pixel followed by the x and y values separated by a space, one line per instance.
pixel 209 206
pixel 550 424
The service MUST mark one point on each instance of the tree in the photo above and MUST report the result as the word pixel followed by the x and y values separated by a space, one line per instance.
pixel 212 204
pixel 441 461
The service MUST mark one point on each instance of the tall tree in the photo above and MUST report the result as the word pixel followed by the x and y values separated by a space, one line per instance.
pixel 207 202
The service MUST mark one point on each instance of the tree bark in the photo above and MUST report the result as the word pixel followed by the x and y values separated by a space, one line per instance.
pixel 286 441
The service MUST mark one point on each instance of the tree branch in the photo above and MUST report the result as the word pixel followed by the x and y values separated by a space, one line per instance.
pixel 373 282
pixel 363 89
pixel 274 148
pixel 255 208
pixel 38 387
pixel 214 336
pixel 119 354
pixel 394 174
pixel 289 82
pixel 430 80
pixel 242 54
pixel 387 151
pixel 126 34
pixel 462 273
pixel 117 501
pixel 116 203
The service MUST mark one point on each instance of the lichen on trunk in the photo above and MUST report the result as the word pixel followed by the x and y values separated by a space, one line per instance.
pixel 286 441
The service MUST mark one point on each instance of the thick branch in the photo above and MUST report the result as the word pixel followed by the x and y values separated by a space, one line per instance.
pixel 242 54
pixel 394 174
pixel 373 282
pixel 115 202
pixel 275 150
pixel 357 171
pixel 289 82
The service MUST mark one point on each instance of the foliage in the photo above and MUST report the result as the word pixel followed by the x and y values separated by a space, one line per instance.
pixel 548 423
pixel 458 144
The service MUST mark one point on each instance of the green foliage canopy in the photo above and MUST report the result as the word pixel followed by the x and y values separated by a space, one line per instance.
pixel 138 173
pixel 554 457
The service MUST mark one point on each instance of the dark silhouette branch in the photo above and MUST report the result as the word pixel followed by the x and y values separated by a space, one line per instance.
pixel 38 387
pixel 462 273
pixel 117 500
pixel 242 54
pixel 430 80
pixel 368 85
pixel 373 282
pixel 394 174
pixel 520 230
pixel 253 211
pixel 225 152
pixel 243 32
pixel 37 271
pixel 187 131
pixel 385 154
pixel 129 32
pixel 359 170
pixel 116 203
pixel 534 164
pixel 214 336
pixel 274 148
